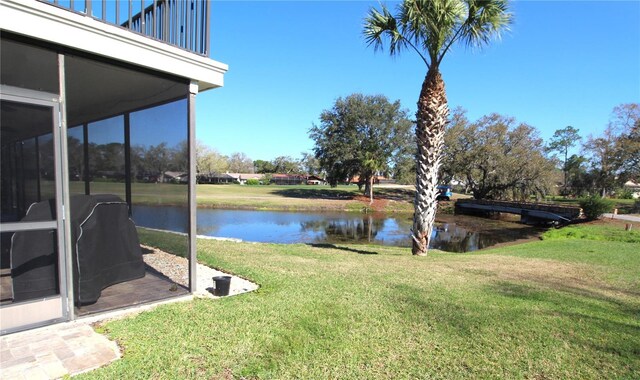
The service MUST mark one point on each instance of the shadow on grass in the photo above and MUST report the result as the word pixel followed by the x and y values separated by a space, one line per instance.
pixel 332 246
pixel 533 291
pixel 589 306
pixel 593 314
pixel 395 194
pixel 314 193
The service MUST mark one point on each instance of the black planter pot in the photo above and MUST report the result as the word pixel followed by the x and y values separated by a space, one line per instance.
pixel 221 285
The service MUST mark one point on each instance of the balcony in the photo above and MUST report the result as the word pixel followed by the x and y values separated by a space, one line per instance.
pixel 181 23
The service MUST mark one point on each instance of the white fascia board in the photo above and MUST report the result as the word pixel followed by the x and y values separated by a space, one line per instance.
pixel 59 26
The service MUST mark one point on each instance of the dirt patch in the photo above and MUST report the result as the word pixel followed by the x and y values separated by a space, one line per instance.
pixel 607 222
pixel 377 205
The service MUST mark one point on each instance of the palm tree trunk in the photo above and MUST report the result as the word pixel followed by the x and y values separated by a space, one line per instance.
pixel 432 118
pixel 371 190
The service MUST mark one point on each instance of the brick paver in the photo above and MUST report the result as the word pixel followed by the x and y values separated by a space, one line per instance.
pixel 55 351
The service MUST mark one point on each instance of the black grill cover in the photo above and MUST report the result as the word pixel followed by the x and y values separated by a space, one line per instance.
pixel 105 250
pixel 34 257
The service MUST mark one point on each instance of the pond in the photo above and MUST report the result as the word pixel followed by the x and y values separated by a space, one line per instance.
pixel 453 233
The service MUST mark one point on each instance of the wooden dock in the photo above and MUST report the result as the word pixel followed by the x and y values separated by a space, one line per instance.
pixel 529 212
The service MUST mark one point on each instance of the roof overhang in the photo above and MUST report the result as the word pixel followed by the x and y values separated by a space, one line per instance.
pixel 62 27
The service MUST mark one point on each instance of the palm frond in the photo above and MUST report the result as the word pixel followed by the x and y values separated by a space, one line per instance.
pixel 380 25
pixel 431 24
pixel 486 20
pixel 383 25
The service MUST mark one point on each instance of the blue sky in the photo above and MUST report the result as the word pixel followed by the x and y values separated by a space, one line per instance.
pixel 562 63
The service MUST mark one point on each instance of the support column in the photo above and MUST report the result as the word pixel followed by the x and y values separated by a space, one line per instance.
pixel 62 191
pixel 191 117
pixel 127 161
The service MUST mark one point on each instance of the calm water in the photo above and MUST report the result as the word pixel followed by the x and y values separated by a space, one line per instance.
pixel 451 233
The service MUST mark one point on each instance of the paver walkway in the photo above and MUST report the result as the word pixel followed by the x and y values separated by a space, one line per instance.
pixel 55 351
pixel 74 347
pixel 630 218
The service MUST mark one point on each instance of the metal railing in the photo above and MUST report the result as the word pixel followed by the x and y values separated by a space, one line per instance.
pixel 181 23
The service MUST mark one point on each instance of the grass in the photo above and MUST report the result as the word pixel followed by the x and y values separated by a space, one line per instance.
pixel 600 232
pixel 173 243
pixel 557 308
pixel 272 197
pixel 279 197
pixel 290 197
pixel 303 197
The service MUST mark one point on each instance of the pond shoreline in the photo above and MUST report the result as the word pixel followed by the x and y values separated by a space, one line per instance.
pixel 454 233
pixel 356 204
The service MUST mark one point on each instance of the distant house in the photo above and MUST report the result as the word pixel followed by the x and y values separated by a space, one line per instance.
pixel 377 180
pixel 634 187
pixel 176 177
pixel 385 181
pixel 242 178
pixel 288 179
pixel 216 178
pixel 314 180
pixel 276 179
pixel 227 178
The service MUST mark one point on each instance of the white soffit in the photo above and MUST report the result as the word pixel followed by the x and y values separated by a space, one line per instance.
pixel 50 23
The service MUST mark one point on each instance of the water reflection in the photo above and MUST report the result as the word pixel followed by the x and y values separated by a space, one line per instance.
pixel 451 233
pixel 453 238
pixel 362 230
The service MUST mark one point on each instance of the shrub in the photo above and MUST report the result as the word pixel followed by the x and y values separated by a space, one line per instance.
pixel 594 206
pixel 624 193
pixel 253 182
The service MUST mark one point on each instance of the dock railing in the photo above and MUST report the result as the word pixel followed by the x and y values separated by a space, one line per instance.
pixel 551 210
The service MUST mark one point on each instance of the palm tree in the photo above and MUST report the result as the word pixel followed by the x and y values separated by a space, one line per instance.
pixel 430 28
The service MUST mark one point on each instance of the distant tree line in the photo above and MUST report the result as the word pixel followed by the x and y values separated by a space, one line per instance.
pixel 606 161
pixel 107 161
pixel 494 157
pixel 211 161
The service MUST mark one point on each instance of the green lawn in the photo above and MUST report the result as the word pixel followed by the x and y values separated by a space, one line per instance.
pixel 595 231
pixel 272 197
pixel 288 197
pixel 553 309
pixel 303 197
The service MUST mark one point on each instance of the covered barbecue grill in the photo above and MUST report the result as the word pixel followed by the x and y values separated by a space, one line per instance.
pixel 105 250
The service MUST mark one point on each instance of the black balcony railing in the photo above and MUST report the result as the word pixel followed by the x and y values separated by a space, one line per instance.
pixel 181 23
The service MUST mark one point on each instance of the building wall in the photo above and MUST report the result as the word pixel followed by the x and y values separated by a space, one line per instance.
pixel 127 116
